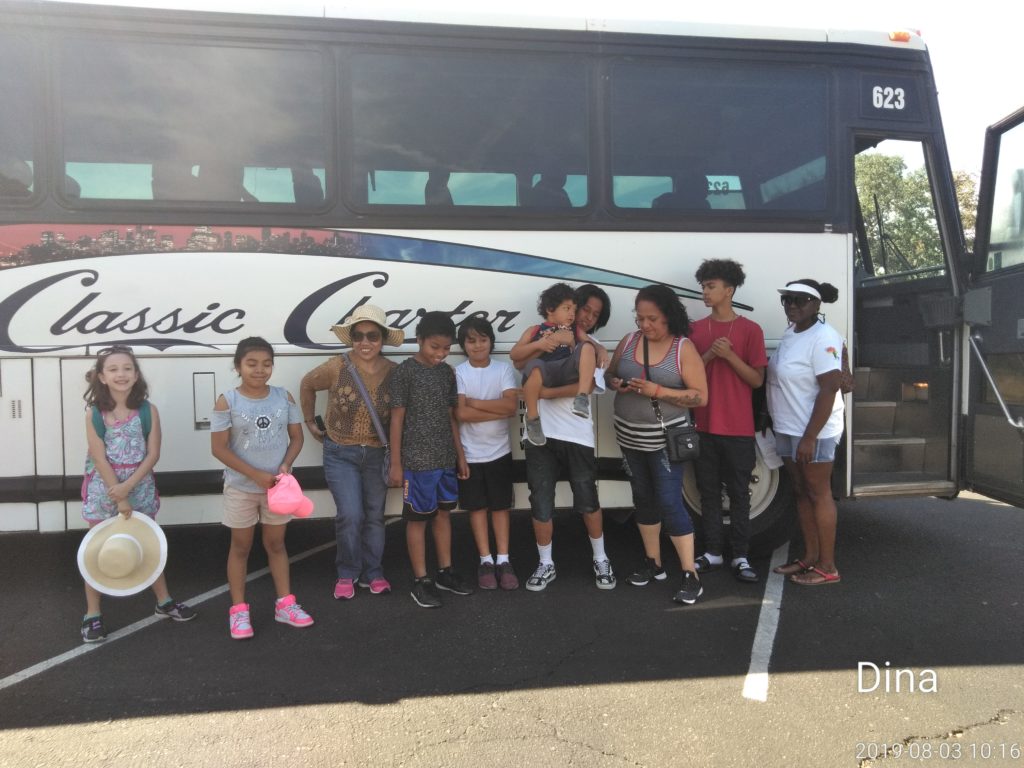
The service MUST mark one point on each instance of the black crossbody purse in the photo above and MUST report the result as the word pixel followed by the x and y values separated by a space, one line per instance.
pixel 682 443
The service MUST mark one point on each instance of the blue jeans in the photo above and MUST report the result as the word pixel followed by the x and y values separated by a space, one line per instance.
pixel 353 474
pixel 658 491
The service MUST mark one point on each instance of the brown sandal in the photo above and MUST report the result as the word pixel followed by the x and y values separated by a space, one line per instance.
pixel 793 566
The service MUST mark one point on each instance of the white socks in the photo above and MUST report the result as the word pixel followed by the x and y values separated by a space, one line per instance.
pixel 598 546
pixel 545 554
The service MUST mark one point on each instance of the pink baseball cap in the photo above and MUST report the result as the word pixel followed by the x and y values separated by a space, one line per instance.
pixel 286 498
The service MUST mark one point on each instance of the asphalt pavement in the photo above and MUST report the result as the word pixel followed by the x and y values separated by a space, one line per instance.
pixel 619 677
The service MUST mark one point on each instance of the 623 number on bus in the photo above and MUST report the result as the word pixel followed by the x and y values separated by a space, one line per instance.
pixel 887 97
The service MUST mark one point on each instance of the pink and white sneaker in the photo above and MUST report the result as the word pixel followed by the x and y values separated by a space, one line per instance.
pixel 239 623
pixel 287 611
pixel 344 589
pixel 378 586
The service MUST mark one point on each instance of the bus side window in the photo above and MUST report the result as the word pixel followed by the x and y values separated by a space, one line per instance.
pixel 435 191
pixel 221 180
pixel 689 191
pixel 15 178
pixel 307 187
pixel 173 181
pixel 549 192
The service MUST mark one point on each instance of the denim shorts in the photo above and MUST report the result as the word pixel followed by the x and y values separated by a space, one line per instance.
pixel 824 448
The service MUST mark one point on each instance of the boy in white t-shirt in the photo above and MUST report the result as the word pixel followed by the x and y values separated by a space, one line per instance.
pixel 488 397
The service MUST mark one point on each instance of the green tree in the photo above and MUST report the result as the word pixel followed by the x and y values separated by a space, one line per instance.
pixel 899 215
pixel 967 198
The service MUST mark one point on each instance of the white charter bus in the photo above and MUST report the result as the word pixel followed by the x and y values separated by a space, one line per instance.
pixel 177 180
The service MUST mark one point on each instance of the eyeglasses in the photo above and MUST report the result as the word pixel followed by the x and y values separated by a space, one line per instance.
pixel 371 336
pixel 799 301
pixel 117 349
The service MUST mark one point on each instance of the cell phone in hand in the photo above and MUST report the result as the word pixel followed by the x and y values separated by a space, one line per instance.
pixel 320 423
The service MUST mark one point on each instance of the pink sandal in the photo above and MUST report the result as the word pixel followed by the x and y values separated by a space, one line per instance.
pixel 815 577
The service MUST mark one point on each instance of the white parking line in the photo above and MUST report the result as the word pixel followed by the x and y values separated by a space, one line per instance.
pixel 755 686
pixel 131 629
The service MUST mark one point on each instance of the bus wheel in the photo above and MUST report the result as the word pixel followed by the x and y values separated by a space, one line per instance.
pixel 772 507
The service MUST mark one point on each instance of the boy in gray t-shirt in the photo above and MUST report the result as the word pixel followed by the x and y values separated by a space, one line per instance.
pixel 426 455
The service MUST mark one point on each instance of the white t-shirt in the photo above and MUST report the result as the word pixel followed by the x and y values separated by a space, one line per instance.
pixel 485 441
pixel 559 422
pixel 793 383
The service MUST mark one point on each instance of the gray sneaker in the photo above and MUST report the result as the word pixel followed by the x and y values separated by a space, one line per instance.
pixel 604 578
pixel 534 432
pixel 581 406
pixel 690 589
pixel 176 611
pixel 542 576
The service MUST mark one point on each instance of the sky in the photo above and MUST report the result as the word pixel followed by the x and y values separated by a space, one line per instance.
pixel 974 47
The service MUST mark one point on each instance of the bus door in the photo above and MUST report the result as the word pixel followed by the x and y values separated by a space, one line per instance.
pixel 905 323
pixel 993 448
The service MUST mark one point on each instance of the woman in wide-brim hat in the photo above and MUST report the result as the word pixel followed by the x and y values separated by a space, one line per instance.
pixel 353 450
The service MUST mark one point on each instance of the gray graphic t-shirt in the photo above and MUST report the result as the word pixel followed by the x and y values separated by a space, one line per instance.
pixel 259 432
pixel 427 393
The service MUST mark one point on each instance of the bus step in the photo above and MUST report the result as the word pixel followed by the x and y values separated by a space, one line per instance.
pixel 893 454
pixel 875 417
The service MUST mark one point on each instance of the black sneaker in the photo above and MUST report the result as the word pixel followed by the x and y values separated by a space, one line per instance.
pixel 448 580
pixel 690 589
pixel 424 593
pixel 642 576
pixel 176 611
pixel 92 630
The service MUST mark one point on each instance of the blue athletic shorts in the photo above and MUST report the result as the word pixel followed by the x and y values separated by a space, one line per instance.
pixel 423 493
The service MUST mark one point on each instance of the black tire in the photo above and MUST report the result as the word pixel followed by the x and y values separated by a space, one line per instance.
pixel 772 508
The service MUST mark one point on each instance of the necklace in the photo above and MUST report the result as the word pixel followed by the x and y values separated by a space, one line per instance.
pixel 728 333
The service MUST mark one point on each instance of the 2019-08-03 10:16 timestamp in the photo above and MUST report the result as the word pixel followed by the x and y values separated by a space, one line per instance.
pixel 945 750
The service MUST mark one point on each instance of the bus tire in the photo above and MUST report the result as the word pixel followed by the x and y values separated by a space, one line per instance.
pixel 772 508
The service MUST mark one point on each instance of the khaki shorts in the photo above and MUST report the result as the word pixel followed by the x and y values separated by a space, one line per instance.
pixel 243 509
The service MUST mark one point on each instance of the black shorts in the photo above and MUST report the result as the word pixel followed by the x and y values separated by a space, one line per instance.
pixel 489 486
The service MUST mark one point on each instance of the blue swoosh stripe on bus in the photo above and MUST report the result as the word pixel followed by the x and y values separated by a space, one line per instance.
pixel 418 251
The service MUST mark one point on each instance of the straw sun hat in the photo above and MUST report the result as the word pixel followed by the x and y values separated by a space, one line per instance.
pixel 393 337
pixel 121 557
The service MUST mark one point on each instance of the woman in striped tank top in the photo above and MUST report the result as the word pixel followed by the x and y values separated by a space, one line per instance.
pixel 656 369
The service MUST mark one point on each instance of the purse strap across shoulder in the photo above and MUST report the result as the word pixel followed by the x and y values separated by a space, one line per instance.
pixel 366 399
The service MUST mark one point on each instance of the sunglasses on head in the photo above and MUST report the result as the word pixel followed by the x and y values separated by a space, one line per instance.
pixel 799 300
pixel 371 336
pixel 117 349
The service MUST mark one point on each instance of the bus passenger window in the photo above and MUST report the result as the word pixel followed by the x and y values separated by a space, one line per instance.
pixel 549 192
pixel 435 191
pixel 688 191
pixel 174 181
pixel 15 178
pixel 306 187
pixel 222 180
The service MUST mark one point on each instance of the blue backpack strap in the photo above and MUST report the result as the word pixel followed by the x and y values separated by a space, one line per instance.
pixel 97 422
pixel 146 417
